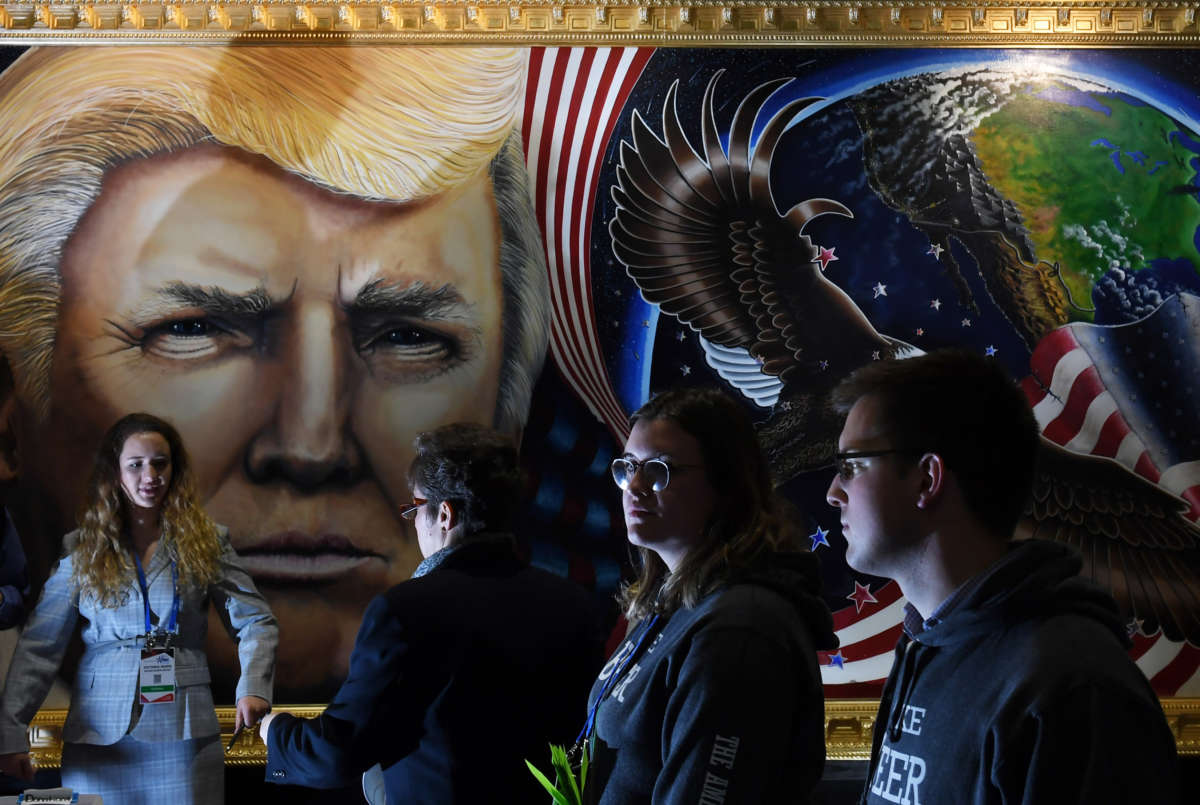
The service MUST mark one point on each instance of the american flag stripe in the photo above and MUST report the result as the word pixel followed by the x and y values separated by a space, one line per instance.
pixel 1074 409
pixel 873 670
pixel 573 101
pixel 867 641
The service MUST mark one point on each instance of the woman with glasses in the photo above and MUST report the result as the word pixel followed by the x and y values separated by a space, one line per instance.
pixel 715 695
pixel 137 576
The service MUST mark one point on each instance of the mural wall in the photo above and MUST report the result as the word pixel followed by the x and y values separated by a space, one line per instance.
pixel 304 273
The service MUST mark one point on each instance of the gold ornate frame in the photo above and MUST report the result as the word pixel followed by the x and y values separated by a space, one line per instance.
pixel 848 725
pixel 713 23
pixel 622 22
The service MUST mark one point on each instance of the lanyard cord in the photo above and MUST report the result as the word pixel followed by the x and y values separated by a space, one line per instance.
pixel 172 620
pixel 609 683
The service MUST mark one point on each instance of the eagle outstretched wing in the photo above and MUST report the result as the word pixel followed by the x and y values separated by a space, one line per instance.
pixel 1132 533
pixel 702 238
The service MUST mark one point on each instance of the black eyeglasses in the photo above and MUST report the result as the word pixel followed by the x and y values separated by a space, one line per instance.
pixel 845 469
pixel 409 510
pixel 656 471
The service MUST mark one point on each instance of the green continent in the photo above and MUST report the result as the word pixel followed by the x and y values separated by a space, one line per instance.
pixel 1082 212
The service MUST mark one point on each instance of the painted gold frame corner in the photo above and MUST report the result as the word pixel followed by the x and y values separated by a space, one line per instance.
pixel 848 726
pixel 1088 23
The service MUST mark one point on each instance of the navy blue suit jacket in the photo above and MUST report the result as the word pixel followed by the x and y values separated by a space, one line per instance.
pixel 455 679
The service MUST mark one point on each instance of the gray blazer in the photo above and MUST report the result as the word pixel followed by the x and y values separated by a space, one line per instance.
pixel 104 691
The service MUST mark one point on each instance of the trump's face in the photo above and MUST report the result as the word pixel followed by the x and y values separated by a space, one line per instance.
pixel 298 339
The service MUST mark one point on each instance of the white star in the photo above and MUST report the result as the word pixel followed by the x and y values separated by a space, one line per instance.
pixel 680 336
pixel 936 304
pixel 875 355
pixel 936 250
pixel 966 322
pixel 824 365
pixel 685 369
pixel 880 290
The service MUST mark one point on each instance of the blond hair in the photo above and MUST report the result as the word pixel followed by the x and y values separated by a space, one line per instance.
pixel 384 124
pixel 102 558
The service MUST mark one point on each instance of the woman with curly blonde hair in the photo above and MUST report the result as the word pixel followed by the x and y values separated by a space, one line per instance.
pixel 141 570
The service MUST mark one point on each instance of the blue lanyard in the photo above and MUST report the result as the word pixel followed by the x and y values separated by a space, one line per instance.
pixel 590 724
pixel 172 621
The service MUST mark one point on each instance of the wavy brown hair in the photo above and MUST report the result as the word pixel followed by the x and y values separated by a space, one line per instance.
pixel 102 551
pixel 746 521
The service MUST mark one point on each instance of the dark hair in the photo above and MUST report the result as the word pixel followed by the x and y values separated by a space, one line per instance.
pixel 745 519
pixel 965 408
pixel 474 468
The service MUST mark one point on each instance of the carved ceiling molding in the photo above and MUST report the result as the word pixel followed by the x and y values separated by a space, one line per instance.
pixel 899 23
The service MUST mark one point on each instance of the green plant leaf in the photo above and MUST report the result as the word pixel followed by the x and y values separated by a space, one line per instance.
pixel 559 797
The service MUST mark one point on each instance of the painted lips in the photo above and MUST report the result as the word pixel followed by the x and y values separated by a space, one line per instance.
pixel 293 557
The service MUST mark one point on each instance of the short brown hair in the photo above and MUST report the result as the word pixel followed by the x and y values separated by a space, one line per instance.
pixel 965 408
pixel 473 467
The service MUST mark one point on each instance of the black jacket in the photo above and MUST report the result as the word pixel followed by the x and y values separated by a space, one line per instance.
pixel 455 679
pixel 722 702
pixel 1023 693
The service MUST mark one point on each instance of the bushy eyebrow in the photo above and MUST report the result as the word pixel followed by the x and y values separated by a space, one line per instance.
pixel 217 301
pixel 415 301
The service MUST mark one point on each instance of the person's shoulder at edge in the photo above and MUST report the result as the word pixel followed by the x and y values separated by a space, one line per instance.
pixel 775 594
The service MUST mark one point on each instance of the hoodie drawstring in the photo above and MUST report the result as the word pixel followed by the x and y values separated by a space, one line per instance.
pixel 909 666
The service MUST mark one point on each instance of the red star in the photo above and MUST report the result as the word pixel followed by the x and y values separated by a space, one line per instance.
pixel 861 597
pixel 825 257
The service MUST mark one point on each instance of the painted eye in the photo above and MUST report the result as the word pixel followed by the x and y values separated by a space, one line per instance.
pixel 189 328
pixel 193 338
pixel 409 336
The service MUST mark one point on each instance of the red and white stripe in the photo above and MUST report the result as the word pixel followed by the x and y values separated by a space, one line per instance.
pixel 573 101
pixel 1074 409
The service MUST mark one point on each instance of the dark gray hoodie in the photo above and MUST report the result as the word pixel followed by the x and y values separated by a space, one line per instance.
pixel 721 703
pixel 1022 693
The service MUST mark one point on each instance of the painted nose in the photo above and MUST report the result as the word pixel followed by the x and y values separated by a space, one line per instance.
pixel 308 442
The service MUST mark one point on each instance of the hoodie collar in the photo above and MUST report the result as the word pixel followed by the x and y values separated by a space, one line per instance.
pixel 1035 578
pixel 796 576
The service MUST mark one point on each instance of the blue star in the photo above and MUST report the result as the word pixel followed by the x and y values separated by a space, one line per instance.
pixel 837 661
pixel 990 351
pixel 818 538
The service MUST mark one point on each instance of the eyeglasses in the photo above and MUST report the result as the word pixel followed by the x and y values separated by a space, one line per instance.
pixel 843 462
pixel 656 471
pixel 409 510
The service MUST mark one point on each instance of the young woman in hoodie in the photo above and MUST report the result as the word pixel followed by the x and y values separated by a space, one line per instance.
pixel 715 694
